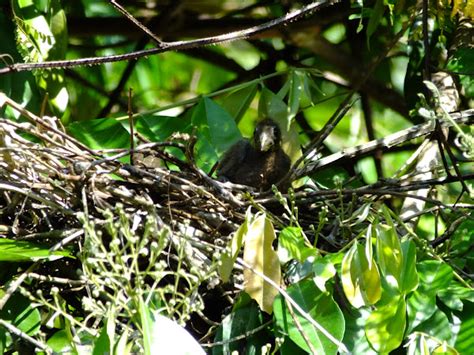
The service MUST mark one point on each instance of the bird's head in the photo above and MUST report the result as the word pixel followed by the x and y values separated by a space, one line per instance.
pixel 267 135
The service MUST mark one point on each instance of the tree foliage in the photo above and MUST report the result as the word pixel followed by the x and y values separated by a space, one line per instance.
pixel 116 232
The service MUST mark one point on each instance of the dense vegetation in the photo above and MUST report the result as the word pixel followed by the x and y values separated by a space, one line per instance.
pixel 117 237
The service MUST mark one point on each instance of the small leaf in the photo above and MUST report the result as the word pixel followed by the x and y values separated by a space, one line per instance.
pixel 230 255
pixel 409 275
pixel 292 240
pixel 361 284
pixel 389 253
pixel 260 256
pixel 375 19
pixel 323 271
pixel 294 96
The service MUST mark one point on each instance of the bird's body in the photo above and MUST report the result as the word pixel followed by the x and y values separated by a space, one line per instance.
pixel 260 164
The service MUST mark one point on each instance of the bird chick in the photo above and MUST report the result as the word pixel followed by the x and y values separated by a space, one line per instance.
pixel 258 163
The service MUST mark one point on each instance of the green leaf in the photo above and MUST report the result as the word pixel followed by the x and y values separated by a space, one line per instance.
pixel 19 312
pixel 60 342
pixel 389 254
pixel 240 322
pixel 232 252
pixel 294 96
pixel 321 307
pixel 421 307
pixel 434 276
pixel 374 19
pixel 361 283
pixel 453 295
pixel 386 325
pixel 159 128
pixel 323 271
pixel 43 36
pixel 238 102
pixel 354 337
pixel 465 339
pixel 462 62
pixel 101 133
pixel 291 238
pixel 216 132
pixel 438 326
pixel 260 257
pixel 409 275
pixel 18 250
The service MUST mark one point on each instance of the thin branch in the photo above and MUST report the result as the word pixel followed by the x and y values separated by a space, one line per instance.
pixel 174 46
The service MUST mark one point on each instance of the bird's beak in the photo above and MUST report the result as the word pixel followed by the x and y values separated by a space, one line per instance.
pixel 267 139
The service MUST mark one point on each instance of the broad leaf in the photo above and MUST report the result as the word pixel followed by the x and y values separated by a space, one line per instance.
pixel 389 254
pixel 293 241
pixel 18 250
pixel 408 275
pixel 321 307
pixel 361 283
pixel 260 257
pixel 386 325
pixel 241 321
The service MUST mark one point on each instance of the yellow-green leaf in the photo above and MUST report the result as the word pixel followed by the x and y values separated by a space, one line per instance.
pixel 360 282
pixel 230 255
pixel 386 325
pixel 389 254
pixel 260 256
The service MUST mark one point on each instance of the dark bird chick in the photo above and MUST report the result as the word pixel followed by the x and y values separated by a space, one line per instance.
pixel 259 163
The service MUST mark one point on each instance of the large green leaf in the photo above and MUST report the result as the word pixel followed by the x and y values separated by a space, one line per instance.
pixel 19 250
pixel 19 312
pixel 386 325
pixel 321 307
pixel 101 133
pixel 241 321
pixel 465 339
pixel 434 276
pixel 237 102
pixel 216 131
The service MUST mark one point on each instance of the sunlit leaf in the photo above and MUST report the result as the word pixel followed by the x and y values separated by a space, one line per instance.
pixel 386 325
pixel 292 240
pixel 19 250
pixel 323 271
pixel 260 256
pixel 408 275
pixel 389 253
pixel 361 284
pixel 230 255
